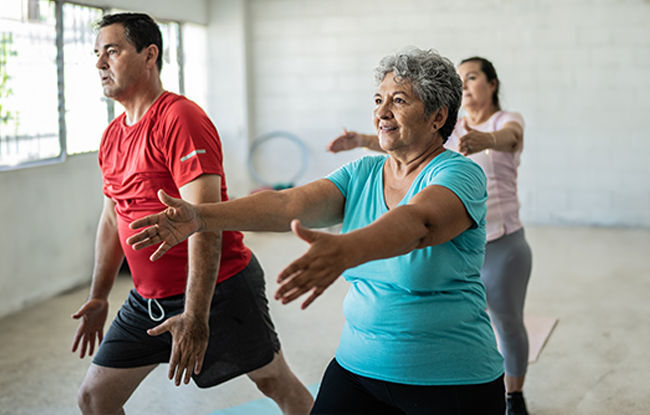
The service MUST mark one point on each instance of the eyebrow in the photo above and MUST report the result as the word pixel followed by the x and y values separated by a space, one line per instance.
pixel 106 46
pixel 396 92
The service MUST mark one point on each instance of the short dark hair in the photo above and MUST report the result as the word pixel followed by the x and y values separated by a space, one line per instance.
pixel 140 30
pixel 490 73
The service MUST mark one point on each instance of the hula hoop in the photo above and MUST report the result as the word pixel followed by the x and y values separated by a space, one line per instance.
pixel 304 158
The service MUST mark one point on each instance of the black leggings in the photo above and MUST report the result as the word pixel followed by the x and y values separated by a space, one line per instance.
pixel 343 392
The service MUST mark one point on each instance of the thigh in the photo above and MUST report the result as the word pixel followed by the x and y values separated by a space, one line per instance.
pixel 485 399
pixel 506 272
pixel 242 336
pixel 113 386
pixel 127 344
pixel 342 392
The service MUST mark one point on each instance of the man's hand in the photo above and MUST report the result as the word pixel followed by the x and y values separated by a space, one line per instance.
pixel 169 227
pixel 189 342
pixel 91 327
pixel 316 270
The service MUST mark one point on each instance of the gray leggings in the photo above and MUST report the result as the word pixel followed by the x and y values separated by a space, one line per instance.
pixel 505 273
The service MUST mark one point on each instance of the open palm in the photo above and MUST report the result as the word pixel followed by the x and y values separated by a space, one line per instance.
pixel 167 228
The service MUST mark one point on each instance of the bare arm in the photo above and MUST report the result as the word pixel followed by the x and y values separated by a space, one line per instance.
pixel 508 139
pixel 434 216
pixel 108 258
pixel 190 330
pixel 318 204
pixel 351 139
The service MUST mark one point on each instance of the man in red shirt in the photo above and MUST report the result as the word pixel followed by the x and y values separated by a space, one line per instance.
pixel 203 308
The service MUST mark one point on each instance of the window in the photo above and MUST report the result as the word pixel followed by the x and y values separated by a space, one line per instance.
pixel 51 102
pixel 29 120
pixel 86 113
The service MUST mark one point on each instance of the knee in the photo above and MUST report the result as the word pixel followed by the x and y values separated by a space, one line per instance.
pixel 269 386
pixel 91 401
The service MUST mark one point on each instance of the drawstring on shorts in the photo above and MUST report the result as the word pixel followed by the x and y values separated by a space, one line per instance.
pixel 162 310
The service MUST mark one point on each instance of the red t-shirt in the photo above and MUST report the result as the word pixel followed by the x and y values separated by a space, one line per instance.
pixel 173 144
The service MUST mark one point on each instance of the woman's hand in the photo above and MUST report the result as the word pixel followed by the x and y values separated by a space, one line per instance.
pixel 316 270
pixel 475 141
pixel 169 227
pixel 346 141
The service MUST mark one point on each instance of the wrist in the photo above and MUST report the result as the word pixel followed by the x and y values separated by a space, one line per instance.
pixel 494 139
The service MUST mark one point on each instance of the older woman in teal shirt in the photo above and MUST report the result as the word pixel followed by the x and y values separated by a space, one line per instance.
pixel 417 337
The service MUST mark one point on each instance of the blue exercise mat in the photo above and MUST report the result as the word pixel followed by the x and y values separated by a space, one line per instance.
pixel 264 406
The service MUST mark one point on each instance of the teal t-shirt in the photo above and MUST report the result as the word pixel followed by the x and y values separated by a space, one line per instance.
pixel 418 318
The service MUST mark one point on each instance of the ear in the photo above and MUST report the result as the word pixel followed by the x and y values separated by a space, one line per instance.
pixel 494 83
pixel 151 52
pixel 439 118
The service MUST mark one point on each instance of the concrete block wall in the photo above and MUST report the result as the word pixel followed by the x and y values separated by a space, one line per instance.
pixel 576 70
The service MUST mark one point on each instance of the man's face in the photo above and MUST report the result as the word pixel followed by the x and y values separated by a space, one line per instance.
pixel 120 67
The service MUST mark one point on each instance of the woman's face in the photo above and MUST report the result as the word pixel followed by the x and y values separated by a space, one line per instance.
pixel 477 90
pixel 399 116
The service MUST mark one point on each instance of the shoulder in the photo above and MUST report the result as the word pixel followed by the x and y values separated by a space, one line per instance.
pixel 177 106
pixel 505 117
pixel 365 163
pixel 451 165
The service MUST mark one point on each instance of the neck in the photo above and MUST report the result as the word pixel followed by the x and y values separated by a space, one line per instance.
pixel 403 165
pixel 479 115
pixel 138 103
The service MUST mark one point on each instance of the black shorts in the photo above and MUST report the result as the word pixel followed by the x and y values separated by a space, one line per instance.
pixel 343 392
pixel 242 336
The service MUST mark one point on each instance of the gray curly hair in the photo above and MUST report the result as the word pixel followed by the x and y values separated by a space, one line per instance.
pixel 434 80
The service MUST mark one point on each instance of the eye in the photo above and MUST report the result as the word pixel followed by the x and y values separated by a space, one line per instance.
pixel 377 101
pixel 111 51
pixel 399 100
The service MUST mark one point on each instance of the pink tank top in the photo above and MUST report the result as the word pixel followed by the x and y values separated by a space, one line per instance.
pixel 501 171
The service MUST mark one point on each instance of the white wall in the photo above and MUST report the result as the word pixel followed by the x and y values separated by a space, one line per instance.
pixel 577 71
pixel 187 10
pixel 49 217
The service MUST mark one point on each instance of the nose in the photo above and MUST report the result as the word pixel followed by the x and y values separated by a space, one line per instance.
pixel 383 111
pixel 101 61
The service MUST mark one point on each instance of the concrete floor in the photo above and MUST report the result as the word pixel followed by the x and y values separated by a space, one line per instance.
pixel 596 281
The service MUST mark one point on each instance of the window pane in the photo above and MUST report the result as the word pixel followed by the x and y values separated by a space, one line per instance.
pixel 86 111
pixel 29 127
pixel 169 74
pixel 195 63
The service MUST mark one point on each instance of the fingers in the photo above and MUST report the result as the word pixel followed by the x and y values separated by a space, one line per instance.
pixel 168 200
pixel 183 362
pixel 77 338
pixel 91 344
pixel 291 290
pixel 316 292
pixel 82 310
pixel 164 247
pixel 143 238
pixel 161 328
pixel 142 222
pixel 303 233
pixel 199 363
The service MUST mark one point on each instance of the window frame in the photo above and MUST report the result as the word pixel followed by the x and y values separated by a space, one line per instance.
pixel 110 105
